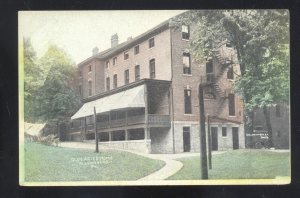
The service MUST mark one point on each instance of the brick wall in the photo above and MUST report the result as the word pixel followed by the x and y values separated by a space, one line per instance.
pixel 160 52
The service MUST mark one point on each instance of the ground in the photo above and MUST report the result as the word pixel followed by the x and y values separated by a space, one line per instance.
pixel 49 163
pixel 238 164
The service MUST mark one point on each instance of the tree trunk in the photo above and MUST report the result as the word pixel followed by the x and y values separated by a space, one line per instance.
pixel 269 126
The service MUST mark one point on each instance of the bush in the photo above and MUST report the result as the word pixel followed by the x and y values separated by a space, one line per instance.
pixel 48 140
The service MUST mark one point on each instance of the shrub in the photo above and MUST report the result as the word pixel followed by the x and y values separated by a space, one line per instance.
pixel 48 140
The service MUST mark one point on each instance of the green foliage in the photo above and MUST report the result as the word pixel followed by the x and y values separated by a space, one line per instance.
pixel 238 164
pixel 50 164
pixel 50 87
pixel 32 80
pixel 57 97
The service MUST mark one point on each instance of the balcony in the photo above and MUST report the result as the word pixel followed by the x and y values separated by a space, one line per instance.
pixel 150 120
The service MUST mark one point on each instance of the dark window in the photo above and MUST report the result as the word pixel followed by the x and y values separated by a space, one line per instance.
pixel 80 73
pixel 80 90
pixel 209 71
pixel 137 72
pixel 126 76
pixel 187 101
pixel 230 73
pixel 107 64
pixel 115 81
pixel 209 67
pixel 152 68
pixel 126 55
pixel 228 45
pixel 185 32
pixel 90 68
pixel 224 131
pixel 90 88
pixel 107 83
pixel 137 49
pixel 231 104
pixel 114 60
pixel 186 60
pixel 151 42
pixel 186 129
pixel 277 110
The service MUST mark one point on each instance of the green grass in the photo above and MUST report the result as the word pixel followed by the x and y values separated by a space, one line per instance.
pixel 238 164
pixel 49 163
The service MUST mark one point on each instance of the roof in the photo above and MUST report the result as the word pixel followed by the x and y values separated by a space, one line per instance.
pixel 131 98
pixel 128 44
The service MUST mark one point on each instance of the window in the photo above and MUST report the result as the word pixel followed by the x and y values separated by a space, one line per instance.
pixel 186 129
pixel 187 101
pixel 186 63
pixel 115 81
pixel 151 42
pixel 107 64
pixel 126 76
pixel 137 72
pixel 80 90
pixel 152 68
pixel 209 67
pixel 137 49
pixel 107 83
pixel 185 32
pixel 231 104
pixel 209 71
pixel 230 73
pixel 277 107
pixel 126 55
pixel 90 88
pixel 80 74
pixel 224 131
pixel 114 60
pixel 90 68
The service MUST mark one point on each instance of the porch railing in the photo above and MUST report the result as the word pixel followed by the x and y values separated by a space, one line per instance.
pixel 154 120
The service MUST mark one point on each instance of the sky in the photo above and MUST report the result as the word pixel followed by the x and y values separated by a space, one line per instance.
pixel 78 32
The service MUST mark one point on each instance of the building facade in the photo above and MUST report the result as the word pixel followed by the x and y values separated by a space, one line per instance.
pixel 145 94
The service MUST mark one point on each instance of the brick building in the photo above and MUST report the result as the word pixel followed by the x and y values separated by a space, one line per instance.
pixel 145 93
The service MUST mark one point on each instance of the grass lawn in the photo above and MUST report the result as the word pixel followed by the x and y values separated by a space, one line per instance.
pixel 49 163
pixel 238 164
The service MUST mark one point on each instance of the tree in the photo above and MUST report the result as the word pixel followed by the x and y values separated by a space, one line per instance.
pixel 261 40
pixel 58 97
pixel 32 80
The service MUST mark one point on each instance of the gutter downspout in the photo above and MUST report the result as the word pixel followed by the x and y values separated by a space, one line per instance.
pixel 172 96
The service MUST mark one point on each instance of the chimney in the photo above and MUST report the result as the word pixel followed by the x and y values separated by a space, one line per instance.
pixel 129 38
pixel 114 40
pixel 95 50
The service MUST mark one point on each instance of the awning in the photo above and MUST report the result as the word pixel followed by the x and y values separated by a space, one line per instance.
pixel 131 98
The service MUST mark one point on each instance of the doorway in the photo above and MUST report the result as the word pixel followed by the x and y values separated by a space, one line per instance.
pixel 214 138
pixel 186 139
pixel 235 137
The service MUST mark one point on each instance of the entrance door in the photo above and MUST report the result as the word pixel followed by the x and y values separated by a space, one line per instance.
pixel 186 139
pixel 235 137
pixel 214 138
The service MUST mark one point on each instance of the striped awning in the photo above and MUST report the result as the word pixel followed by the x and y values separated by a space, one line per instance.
pixel 131 98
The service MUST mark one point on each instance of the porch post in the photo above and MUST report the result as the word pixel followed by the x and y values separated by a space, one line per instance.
pixel 126 134
pixel 109 136
pixel 147 133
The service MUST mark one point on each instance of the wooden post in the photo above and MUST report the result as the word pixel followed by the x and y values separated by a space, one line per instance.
pixel 95 130
pixel 209 142
pixel 203 154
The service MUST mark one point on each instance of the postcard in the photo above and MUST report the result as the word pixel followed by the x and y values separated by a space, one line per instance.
pixel 154 97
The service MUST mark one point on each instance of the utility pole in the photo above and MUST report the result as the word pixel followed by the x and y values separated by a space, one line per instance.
pixel 203 154
pixel 209 142
pixel 95 130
